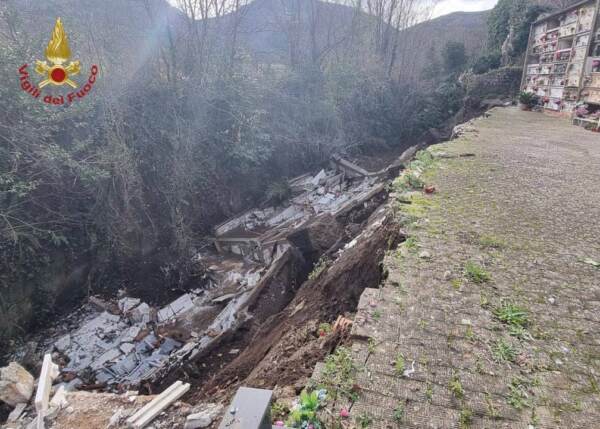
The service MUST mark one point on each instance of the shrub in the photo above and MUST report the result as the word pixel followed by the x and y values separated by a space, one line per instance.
pixel 528 99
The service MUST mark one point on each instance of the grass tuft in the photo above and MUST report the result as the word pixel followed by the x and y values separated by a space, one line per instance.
pixel 475 273
pixel 399 364
pixel 503 351
pixel 512 315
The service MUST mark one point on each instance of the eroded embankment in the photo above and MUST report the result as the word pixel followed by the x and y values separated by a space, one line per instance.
pixel 281 348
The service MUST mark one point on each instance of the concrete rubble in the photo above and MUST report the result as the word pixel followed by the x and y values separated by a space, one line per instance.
pixel 99 410
pixel 259 234
pixel 125 343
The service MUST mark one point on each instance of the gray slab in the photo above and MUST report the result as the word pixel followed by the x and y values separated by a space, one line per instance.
pixel 250 409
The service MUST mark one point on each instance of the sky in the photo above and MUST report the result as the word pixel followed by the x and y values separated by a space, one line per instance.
pixel 445 7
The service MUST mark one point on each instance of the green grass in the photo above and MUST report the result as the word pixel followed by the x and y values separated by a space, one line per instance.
pixel 429 392
pixel 518 397
pixel 399 365
pixel 512 315
pixel 376 314
pixel 364 420
pixel 371 344
pixel 339 374
pixel 475 273
pixel 455 387
pixel 407 181
pixel 491 242
pixel 469 334
pixel 465 418
pixel 503 351
pixel 399 413
pixel 279 411
pixel 456 283
pixel 411 244
pixel 423 159
pixel 318 268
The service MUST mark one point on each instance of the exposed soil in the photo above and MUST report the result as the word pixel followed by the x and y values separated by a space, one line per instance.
pixel 283 349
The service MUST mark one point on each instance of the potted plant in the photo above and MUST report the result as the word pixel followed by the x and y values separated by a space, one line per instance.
pixel 527 100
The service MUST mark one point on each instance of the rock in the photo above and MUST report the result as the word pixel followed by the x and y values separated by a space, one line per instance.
pixel 116 418
pixel 204 418
pixel 447 275
pixel 16 384
pixel 424 254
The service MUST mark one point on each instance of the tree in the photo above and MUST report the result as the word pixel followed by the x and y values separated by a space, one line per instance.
pixel 454 57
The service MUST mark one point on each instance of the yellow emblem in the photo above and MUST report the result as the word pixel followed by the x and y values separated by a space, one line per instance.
pixel 57 53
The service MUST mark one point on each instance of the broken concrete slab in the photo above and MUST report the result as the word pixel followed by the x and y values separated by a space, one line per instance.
pixel 48 374
pixel 108 356
pixel 223 298
pixel 181 305
pixel 147 413
pixel 127 304
pixel 350 169
pixel 16 413
pixel 141 314
pixel 16 384
pixel 63 343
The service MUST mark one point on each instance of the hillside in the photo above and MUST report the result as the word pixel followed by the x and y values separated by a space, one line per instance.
pixel 265 30
pixel 427 39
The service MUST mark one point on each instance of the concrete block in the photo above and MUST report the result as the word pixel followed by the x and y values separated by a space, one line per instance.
pixel 250 409
pixel 152 409
pixel 42 396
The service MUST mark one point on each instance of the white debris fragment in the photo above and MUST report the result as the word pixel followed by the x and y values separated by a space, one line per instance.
pixel 181 305
pixel 141 313
pixel 48 374
pixel 152 409
pixel 127 304
pixel 204 418
pixel 424 254
pixel 16 413
pixel 116 418
pixel 59 400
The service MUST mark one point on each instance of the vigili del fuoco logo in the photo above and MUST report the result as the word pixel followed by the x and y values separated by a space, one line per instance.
pixel 57 71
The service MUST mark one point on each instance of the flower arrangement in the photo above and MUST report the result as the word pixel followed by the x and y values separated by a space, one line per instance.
pixel 304 414
pixel 582 111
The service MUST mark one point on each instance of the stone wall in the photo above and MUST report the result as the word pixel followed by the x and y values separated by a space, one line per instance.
pixel 500 83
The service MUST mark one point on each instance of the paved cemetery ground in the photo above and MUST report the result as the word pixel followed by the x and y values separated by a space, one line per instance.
pixel 490 315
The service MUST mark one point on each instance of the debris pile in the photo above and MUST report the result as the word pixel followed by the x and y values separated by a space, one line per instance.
pixel 140 342
pixel 260 234
pixel 127 343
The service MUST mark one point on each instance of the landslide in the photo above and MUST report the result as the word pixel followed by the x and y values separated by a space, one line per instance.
pixel 283 350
